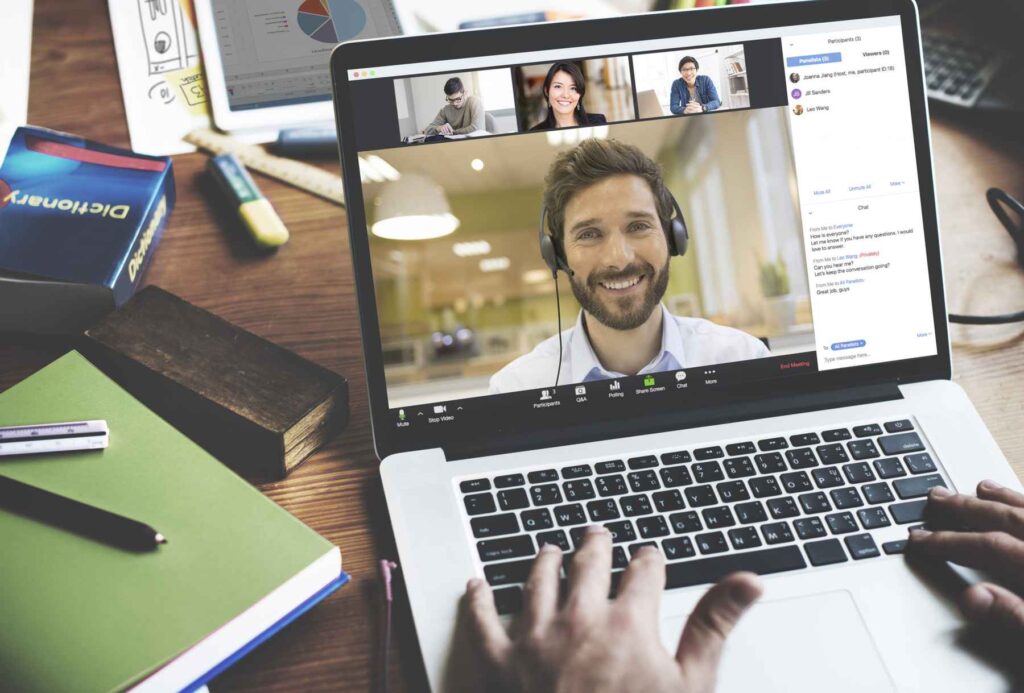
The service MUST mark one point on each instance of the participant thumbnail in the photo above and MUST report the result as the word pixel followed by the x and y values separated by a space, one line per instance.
pixel 691 80
pixel 455 105
pixel 573 93
pixel 465 298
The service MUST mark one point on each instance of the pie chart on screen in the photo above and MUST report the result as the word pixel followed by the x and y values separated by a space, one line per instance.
pixel 331 21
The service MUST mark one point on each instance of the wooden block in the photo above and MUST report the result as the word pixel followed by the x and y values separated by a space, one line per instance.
pixel 256 406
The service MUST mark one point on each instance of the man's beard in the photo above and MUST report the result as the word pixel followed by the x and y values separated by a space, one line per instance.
pixel 626 317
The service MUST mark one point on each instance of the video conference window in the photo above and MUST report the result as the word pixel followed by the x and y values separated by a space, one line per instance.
pixel 455 105
pixel 691 80
pixel 466 302
pixel 573 93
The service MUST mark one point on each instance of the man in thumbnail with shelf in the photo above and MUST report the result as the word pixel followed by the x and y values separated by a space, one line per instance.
pixel 612 230
pixel 462 113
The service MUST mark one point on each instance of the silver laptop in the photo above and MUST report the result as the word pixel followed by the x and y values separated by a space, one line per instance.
pixel 721 332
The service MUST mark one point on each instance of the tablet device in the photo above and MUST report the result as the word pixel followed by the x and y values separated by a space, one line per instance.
pixel 268 61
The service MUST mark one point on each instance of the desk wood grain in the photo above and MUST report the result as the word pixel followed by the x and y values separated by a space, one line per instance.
pixel 304 299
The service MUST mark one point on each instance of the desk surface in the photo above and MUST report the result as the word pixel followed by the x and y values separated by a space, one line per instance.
pixel 304 299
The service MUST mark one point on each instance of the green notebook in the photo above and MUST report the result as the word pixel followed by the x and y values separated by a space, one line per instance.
pixel 78 615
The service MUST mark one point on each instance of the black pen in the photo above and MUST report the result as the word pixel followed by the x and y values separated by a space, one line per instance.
pixel 77 517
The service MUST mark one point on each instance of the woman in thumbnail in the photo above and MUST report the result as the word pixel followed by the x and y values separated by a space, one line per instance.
pixel 693 93
pixel 564 88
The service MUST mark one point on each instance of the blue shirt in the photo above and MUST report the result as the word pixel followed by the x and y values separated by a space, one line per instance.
pixel 685 343
pixel 706 94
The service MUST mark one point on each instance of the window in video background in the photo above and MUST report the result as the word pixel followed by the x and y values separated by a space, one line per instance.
pixel 724 67
pixel 607 91
pixel 455 310
pixel 419 99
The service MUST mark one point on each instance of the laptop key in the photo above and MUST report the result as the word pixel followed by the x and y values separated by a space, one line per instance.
pixel 675 476
pixel 801 458
pixel 621 531
pixel 704 472
pixel 632 506
pixel 827 477
pixel 699 496
pixel 494 525
pixel 858 472
pixel 610 467
pixel 509 573
pixel 772 444
pixel 844 498
pixel 890 467
pixel 513 499
pixel 546 494
pixel 873 518
pixel 796 482
pixel 635 548
pixel 507 547
pixel 905 513
pixel 709 453
pixel 744 538
pixel 678 457
pixel 718 517
pixel 556 537
pixel 645 462
pixel 898 426
pixel 809 527
pixel 739 467
pixel 667 501
pixel 892 547
pixel 685 522
pixel 763 487
pixel 578 490
pixel 542 476
pixel 479 503
pixel 538 518
pixel 749 513
pixel 619 558
pixel 776 533
pixel 832 454
pixel 783 507
pixel 570 515
pixel 901 443
pixel 770 463
pixel 678 547
pixel 508 600
pixel 814 503
pixel 651 527
pixel 916 486
pixel 509 480
pixel 474 485
pixel 863 449
pixel 825 552
pixel 920 463
pixel 646 480
pixel 712 542
pixel 841 523
pixel 836 434
pixel 877 493
pixel 867 430
pixel 611 486
pixel 804 439
pixel 707 570
pixel 601 510
pixel 740 448
pixel 577 471
pixel 861 546
pixel 732 491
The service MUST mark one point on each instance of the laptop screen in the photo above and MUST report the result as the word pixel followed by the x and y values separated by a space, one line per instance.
pixel 738 209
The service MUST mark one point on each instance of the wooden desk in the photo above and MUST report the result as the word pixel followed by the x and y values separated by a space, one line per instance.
pixel 303 298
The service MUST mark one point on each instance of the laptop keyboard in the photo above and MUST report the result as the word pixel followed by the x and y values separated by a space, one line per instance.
pixel 777 504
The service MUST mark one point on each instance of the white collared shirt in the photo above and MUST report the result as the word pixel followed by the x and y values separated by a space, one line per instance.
pixel 685 343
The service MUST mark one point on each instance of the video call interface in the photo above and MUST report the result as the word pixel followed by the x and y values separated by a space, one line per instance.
pixel 803 249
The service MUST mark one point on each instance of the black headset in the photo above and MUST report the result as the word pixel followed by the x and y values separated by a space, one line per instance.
pixel 676 234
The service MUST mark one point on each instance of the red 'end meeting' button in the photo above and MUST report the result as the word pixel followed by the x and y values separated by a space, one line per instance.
pixel 790 365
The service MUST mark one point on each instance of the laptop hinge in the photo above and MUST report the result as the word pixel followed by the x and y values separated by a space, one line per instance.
pixel 707 415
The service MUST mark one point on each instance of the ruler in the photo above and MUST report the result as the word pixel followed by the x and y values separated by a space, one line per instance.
pixel 55 437
pixel 296 173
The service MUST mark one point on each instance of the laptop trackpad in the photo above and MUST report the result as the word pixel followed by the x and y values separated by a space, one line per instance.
pixel 813 643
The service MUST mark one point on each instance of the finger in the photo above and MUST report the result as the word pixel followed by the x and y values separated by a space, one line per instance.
pixel 490 633
pixel 990 490
pixel 540 593
pixel 993 605
pixel 716 614
pixel 995 552
pixel 643 582
pixel 590 573
pixel 953 510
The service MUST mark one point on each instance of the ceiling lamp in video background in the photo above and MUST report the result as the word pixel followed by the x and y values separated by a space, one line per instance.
pixel 413 208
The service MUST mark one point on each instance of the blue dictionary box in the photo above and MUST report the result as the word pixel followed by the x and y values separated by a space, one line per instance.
pixel 79 222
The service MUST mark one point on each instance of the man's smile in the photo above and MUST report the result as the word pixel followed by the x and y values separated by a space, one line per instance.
pixel 621 286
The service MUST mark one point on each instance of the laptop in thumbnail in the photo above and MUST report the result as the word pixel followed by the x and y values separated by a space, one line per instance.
pixel 686 284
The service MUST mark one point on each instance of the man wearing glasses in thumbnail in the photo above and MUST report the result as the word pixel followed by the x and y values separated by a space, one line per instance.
pixel 609 213
pixel 462 114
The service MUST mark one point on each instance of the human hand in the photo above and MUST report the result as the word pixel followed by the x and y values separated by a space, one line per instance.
pixel 693 107
pixel 992 542
pixel 596 644
pixel 445 129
